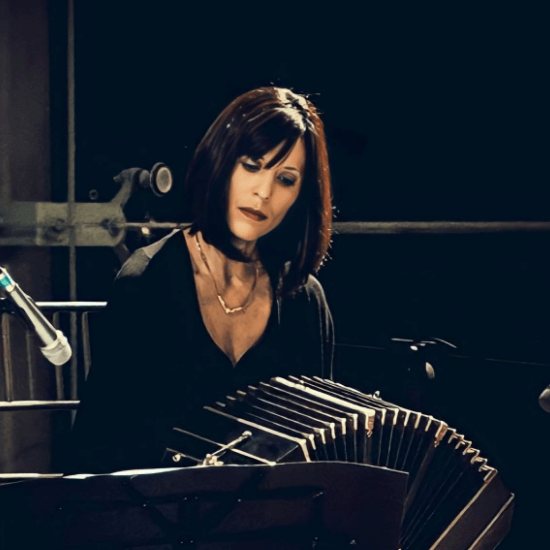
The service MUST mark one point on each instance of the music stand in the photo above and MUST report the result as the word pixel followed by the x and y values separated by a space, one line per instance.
pixel 286 506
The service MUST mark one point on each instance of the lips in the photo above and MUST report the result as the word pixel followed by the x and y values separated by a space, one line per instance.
pixel 253 214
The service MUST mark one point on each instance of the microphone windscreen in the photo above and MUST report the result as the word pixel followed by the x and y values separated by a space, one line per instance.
pixel 544 399
pixel 59 352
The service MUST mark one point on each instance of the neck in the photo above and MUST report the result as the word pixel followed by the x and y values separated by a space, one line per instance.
pixel 247 248
pixel 226 269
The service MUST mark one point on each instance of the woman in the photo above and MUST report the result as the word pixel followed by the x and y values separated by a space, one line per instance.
pixel 228 302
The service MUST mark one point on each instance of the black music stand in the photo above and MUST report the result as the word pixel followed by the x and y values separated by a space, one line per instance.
pixel 318 505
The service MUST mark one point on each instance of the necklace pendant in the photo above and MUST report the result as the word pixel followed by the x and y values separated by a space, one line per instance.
pixel 230 310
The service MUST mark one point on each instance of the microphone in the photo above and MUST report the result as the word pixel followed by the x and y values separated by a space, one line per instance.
pixel 544 400
pixel 55 347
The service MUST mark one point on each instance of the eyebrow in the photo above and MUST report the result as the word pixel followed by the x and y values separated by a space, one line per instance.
pixel 261 159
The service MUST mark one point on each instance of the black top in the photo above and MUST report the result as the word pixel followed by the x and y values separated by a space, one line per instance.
pixel 155 364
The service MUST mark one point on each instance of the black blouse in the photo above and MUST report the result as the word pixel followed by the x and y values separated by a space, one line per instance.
pixel 155 364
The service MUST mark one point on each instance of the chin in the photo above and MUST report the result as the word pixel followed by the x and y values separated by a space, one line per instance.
pixel 244 232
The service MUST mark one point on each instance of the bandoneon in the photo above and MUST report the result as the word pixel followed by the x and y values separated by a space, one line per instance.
pixel 455 500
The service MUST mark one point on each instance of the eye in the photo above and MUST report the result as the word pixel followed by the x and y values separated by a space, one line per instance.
pixel 250 166
pixel 288 181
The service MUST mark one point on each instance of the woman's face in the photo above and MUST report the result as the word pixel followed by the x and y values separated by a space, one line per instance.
pixel 260 197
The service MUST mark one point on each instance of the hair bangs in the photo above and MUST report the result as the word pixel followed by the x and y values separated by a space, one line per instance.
pixel 269 130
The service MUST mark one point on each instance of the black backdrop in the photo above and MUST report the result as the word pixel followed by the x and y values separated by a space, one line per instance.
pixel 432 113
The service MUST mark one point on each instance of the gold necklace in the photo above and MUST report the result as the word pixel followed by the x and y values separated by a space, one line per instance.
pixel 227 310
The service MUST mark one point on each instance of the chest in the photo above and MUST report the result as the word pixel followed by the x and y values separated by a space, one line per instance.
pixel 235 333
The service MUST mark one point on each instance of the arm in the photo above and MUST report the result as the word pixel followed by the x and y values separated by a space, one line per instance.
pixel 106 434
pixel 315 321
pixel 326 329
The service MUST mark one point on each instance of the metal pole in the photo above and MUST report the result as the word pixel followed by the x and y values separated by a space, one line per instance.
pixel 59 382
pixel 6 359
pixel 5 77
pixel 71 184
pixel 29 345
pixel 438 227
pixel 38 405
pixel 395 227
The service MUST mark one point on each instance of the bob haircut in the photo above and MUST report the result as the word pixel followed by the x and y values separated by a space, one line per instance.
pixel 252 125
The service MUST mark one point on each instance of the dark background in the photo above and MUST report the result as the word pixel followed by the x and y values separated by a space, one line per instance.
pixel 431 113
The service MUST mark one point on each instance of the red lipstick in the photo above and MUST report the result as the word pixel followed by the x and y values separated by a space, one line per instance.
pixel 253 214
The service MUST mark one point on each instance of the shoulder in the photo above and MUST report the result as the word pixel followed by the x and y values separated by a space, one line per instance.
pixel 314 288
pixel 140 261
pixel 314 291
pixel 148 267
pixel 317 302
pixel 310 299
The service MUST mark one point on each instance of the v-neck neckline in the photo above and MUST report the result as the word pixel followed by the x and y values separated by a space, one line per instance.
pixel 198 311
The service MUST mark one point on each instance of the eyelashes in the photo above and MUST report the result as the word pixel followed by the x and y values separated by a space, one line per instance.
pixel 285 179
pixel 250 167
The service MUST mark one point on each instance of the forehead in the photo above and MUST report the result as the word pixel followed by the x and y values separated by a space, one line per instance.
pixel 295 158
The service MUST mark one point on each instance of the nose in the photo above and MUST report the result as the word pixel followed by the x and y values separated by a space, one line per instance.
pixel 264 185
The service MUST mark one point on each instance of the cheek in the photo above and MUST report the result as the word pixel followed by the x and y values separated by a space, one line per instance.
pixel 233 187
pixel 284 204
pixel 238 184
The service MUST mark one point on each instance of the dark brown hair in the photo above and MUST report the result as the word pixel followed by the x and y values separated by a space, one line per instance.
pixel 252 125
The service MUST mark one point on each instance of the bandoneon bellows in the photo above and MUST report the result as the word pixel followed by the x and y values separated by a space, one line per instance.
pixel 455 500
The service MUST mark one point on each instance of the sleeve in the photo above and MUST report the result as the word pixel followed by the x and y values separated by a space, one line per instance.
pixel 108 433
pixel 323 323
pixel 326 327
